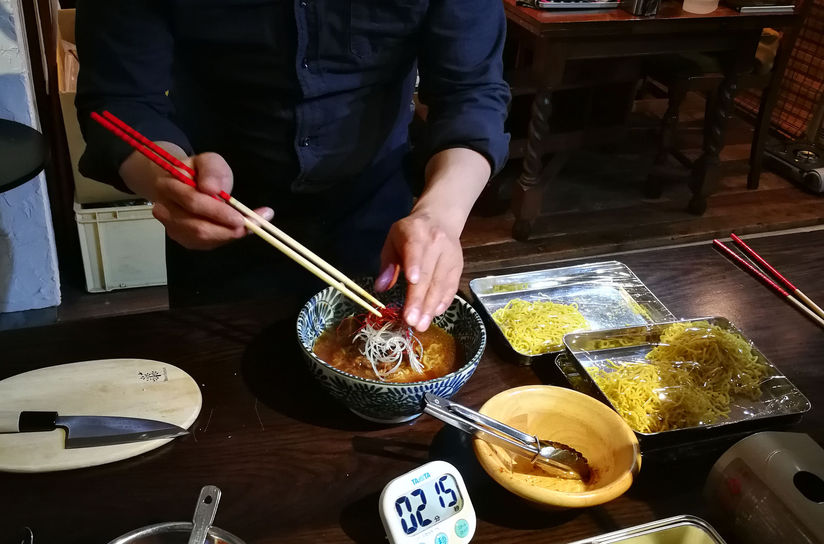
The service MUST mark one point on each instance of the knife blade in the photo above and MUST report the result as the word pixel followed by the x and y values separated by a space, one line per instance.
pixel 89 431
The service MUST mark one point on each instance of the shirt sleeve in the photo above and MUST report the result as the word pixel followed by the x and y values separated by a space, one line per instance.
pixel 461 78
pixel 125 51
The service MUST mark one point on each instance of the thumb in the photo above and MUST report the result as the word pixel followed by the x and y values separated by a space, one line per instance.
pixel 213 174
pixel 266 213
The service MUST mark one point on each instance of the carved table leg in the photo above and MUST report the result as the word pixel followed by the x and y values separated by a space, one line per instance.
pixel 528 192
pixel 705 173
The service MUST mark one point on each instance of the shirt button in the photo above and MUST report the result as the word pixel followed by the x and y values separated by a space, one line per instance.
pixel 304 142
pixel 305 64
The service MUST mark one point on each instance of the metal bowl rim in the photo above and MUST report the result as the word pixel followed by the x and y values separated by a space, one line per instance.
pixel 173 527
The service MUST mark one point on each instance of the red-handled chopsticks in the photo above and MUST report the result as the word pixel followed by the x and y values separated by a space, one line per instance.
pixel 812 314
pixel 776 274
pixel 253 221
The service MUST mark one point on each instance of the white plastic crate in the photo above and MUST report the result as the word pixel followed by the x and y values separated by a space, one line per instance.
pixel 122 246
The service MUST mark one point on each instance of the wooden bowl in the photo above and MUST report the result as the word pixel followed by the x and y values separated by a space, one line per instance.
pixel 575 419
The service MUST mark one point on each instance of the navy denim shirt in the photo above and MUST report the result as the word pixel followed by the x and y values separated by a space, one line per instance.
pixel 299 95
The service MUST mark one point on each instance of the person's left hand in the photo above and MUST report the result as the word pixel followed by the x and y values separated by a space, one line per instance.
pixel 429 252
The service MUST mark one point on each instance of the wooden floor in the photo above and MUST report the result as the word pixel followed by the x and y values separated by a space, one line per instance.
pixel 594 208
pixel 614 217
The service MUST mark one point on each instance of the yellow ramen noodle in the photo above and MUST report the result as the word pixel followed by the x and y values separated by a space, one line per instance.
pixel 726 362
pixel 689 380
pixel 507 287
pixel 617 342
pixel 538 327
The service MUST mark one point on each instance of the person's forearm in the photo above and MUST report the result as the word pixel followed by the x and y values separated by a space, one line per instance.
pixel 454 180
pixel 139 172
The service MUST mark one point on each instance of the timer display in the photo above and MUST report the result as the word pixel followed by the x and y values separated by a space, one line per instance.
pixel 435 501
pixel 429 504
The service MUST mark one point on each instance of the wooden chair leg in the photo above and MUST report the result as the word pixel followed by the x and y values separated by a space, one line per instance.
pixel 769 98
pixel 677 94
pixel 762 124
pixel 667 138
pixel 705 172
pixel 527 194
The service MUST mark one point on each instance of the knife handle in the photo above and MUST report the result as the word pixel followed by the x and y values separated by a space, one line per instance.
pixel 24 422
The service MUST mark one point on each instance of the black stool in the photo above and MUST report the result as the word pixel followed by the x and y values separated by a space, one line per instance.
pixel 23 154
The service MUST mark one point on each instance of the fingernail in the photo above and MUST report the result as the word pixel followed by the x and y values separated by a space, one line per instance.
pixel 423 324
pixel 382 281
pixel 412 316
pixel 440 309
pixel 268 214
pixel 413 275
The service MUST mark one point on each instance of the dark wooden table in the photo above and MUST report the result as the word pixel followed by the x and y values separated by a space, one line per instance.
pixel 559 47
pixel 295 467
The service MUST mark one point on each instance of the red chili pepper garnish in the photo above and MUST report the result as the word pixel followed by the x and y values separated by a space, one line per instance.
pixel 389 315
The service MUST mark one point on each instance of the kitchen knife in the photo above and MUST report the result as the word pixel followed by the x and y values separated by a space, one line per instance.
pixel 88 431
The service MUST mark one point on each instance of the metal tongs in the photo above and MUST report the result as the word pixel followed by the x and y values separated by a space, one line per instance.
pixel 544 453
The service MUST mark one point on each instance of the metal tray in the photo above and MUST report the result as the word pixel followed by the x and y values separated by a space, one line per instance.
pixel 608 295
pixel 780 403
pixel 664 531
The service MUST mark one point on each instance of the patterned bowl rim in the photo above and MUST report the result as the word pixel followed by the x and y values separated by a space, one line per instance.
pixel 473 361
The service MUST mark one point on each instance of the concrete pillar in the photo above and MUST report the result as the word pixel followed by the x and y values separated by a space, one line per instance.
pixel 29 277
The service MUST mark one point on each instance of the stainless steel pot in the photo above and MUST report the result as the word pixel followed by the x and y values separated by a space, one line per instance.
pixel 176 532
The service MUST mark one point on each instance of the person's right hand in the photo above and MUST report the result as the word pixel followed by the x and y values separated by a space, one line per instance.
pixel 192 216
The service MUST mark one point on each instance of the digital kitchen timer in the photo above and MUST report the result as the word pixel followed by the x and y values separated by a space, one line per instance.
pixel 428 505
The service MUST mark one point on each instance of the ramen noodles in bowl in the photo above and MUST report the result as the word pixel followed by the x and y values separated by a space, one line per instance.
pixel 380 369
pixel 387 350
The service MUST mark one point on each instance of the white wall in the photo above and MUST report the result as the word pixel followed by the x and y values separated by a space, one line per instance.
pixel 29 276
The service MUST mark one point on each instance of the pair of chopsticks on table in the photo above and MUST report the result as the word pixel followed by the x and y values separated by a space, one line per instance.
pixel 253 221
pixel 760 268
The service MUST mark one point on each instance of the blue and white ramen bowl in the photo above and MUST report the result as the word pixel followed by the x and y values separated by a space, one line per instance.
pixel 386 402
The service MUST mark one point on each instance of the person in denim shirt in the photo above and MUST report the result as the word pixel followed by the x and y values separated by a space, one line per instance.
pixel 300 107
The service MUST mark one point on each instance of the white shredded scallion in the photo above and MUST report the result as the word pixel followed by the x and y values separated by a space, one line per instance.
pixel 387 345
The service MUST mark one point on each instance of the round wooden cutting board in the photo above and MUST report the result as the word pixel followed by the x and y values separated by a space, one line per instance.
pixel 108 387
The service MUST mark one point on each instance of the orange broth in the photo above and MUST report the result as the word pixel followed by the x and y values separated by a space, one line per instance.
pixel 335 347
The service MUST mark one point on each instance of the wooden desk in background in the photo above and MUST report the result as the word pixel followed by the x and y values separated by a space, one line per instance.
pixel 297 468
pixel 553 42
